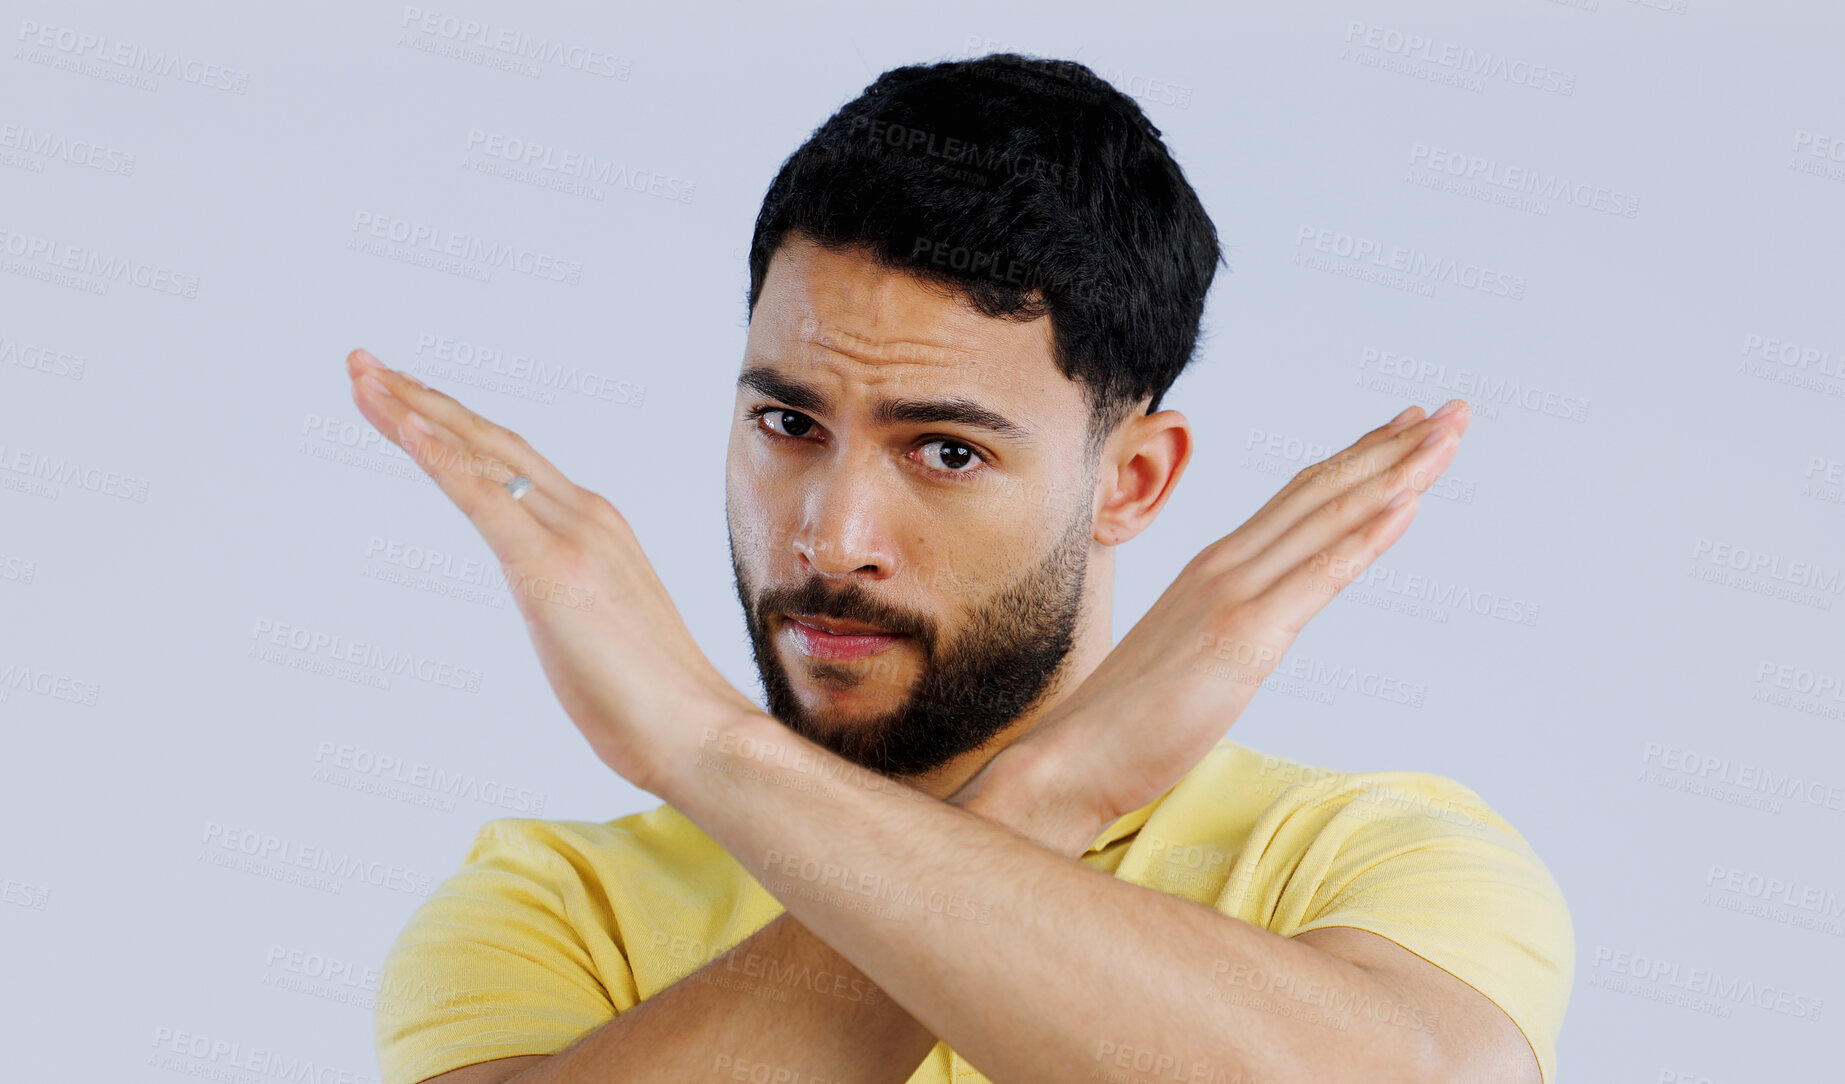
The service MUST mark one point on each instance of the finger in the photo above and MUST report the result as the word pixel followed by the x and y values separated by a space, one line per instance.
pixel 1370 455
pixel 1414 415
pixel 449 450
pixel 1313 487
pixel 1344 514
pixel 494 440
pixel 507 528
pixel 1293 600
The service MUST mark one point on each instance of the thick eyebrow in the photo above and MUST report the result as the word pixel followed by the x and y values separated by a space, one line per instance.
pixel 952 409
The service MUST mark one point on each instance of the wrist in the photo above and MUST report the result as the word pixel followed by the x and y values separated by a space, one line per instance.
pixel 1026 788
pixel 711 752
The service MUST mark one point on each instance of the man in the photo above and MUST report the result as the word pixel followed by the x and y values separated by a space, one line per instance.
pixel 967 832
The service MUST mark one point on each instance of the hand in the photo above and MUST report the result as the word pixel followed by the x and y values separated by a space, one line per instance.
pixel 613 646
pixel 1184 673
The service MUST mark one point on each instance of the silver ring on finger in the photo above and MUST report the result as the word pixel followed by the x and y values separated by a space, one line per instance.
pixel 519 486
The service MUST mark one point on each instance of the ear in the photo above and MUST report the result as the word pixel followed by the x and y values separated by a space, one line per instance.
pixel 1140 466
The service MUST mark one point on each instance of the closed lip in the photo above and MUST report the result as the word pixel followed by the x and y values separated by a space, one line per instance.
pixel 840 628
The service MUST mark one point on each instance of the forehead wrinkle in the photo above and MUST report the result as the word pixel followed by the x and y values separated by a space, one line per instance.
pixel 874 360
pixel 875 351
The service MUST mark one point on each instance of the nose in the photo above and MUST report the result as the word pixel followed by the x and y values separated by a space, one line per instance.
pixel 843 531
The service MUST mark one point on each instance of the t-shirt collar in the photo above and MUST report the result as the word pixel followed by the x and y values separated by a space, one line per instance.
pixel 1126 825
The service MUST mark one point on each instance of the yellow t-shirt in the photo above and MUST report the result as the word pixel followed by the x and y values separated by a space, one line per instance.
pixel 551 928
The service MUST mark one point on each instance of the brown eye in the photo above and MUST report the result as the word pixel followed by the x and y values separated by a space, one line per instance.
pixel 951 456
pixel 796 423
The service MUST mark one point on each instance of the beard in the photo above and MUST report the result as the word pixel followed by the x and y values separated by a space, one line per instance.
pixel 973 684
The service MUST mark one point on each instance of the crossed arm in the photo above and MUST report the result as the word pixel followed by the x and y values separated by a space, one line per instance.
pixel 1074 975
pixel 972 915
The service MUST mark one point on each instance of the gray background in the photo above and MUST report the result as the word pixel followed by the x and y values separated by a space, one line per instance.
pixel 1634 557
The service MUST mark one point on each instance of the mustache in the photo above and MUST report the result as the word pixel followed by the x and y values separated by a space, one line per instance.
pixel 852 604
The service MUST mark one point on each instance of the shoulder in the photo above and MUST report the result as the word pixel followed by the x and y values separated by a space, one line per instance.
pixel 1309 797
pixel 1415 857
pixel 1342 835
pixel 526 944
pixel 648 870
pixel 660 834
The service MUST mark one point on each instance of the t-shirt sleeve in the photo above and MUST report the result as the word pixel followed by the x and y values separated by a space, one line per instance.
pixel 490 965
pixel 1429 866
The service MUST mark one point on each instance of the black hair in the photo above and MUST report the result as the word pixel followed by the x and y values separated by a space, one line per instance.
pixel 1032 187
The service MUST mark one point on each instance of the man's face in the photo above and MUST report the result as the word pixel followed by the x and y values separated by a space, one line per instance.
pixel 957 525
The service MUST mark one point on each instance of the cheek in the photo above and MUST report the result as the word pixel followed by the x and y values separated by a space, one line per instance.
pixel 748 460
pixel 954 559
pixel 980 547
pixel 754 500
pixel 750 533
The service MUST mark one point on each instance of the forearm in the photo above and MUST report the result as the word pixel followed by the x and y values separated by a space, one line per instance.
pixel 999 946
pixel 780 1003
